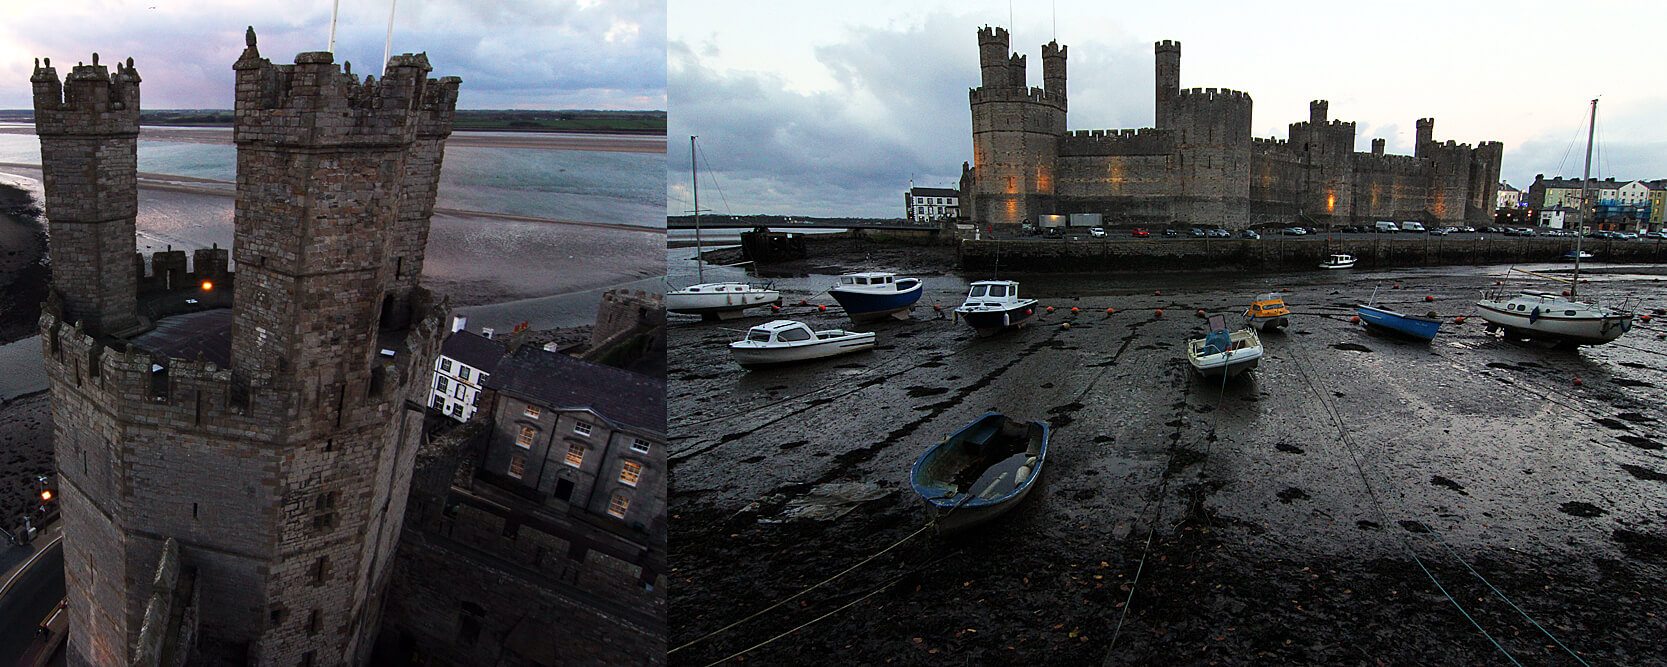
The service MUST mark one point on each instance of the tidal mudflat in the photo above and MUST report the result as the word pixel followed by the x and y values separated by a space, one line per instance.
pixel 1354 500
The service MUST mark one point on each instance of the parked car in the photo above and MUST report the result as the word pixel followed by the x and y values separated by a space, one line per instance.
pixel 1467 229
pixel 1441 231
pixel 1249 234
pixel 1170 233
pixel 1293 231
pixel 1219 234
pixel 1097 232
pixel 1655 235
pixel 1140 233
pixel 1053 233
pixel 1196 233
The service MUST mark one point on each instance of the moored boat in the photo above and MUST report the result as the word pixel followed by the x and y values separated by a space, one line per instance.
pixel 1221 352
pixel 1548 316
pixel 788 341
pixel 876 295
pixel 1268 311
pixel 993 306
pixel 1415 326
pixel 721 300
pixel 981 471
pixel 1338 262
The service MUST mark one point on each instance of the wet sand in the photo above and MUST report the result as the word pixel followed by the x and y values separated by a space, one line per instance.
pixel 25 451
pixel 1282 510
pixel 619 143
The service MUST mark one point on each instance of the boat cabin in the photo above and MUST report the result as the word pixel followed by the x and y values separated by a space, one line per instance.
pixel 1269 305
pixel 992 293
pixel 873 278
pixel 780 331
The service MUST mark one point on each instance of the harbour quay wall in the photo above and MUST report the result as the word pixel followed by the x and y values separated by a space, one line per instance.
pixel 1283 254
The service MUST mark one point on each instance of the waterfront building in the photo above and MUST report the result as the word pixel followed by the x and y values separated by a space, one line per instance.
pixel 1509 197
pixel 931 204
pixel 466 360
pixel 1198 164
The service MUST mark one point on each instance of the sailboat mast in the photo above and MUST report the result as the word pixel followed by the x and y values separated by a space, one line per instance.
pixel 694 187
pixel 1585 187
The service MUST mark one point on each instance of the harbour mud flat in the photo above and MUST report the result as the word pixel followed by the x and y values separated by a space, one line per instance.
pixel 1354 500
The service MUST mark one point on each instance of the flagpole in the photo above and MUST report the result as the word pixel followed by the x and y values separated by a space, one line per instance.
pixel 388 47
pixel 335 8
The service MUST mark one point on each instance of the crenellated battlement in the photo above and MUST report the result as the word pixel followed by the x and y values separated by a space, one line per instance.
pixel 1140 141
pixel 90 101
pixel 1214 94
pixel 992 34
pixel 315 102
pixel 1031 95
pixel 1167 46
pixel 1382 162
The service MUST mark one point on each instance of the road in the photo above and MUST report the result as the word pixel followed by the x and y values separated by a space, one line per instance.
pixel 30 597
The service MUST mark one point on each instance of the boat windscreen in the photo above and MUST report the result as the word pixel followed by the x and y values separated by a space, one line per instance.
pixel 758 336
pixel 998 290
pixel 978 291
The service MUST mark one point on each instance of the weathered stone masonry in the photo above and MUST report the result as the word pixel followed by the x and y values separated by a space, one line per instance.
pixel 280 463
pixel 1198 164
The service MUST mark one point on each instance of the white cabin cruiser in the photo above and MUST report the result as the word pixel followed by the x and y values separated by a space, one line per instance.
pixel 788 341
pixel 1221 352
pixel 993 306
pixel 875 295
pixel 1338 262
pixel 722 300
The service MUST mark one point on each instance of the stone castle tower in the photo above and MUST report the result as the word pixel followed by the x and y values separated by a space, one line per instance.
pixel 1198 164
pixel 263 421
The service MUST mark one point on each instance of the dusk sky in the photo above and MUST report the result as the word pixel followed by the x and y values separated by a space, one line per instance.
pixel 831 108
pixel 522 54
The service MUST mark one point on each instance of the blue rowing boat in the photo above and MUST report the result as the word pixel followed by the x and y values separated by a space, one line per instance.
pixel 981 471
pixel 1415 326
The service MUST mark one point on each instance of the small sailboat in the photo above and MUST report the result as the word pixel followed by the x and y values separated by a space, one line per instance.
pixel 788 341
pixel 1423 327
pixel 875 295
pixel 1338 262
pixel 1268 311
pixel 1548 316
pixel 993 306
pixel 720 300
pixel 1221 352
pixel 981 471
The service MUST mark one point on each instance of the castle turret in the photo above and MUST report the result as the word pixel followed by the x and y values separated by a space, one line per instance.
pixel 1377 146
pixel 1015 135
pixel 992 57
pixel 1425 137
pixel 1317 111
pixel 1168 64
pixel 89 135
pixel 1053 69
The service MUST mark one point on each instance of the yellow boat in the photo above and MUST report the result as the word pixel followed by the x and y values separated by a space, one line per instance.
pixel 1268 311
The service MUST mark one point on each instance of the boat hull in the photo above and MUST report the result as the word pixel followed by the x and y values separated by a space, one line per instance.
pixel 954 510
pixel 1230 363
pixel 1338 265
pixel 870 305
pixel 754 355
pixel 719 303
pixel 989 322
pixel 1266 323
pixel 1578 330
pixel 1413 326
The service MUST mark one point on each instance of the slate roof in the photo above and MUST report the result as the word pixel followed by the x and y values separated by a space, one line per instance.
pixel 474 350
pixel 561 382
pixel 934 192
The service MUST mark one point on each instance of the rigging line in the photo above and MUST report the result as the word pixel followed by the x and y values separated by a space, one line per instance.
pixel 1157 516
pixel 1507 600
pixel 713 173
pixel 1332 412
pixel 795 596
pixel 843 607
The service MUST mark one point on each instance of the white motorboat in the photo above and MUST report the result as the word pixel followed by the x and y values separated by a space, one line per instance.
pixel 788 341
pixel 721 300
pixel 875 295
pixel 1338 262
pixel 1557 317
pixel 993 306
pixel 1221 352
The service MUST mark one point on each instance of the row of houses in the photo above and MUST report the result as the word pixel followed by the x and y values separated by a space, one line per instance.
pixel 1631 206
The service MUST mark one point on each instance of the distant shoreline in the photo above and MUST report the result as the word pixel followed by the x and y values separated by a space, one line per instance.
pixel 609 142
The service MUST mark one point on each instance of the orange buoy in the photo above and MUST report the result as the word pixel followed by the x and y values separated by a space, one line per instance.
pixel 1644 318
pixel 1200 311
pixel 1050 309
pixel 936 307
pixel 1565 292
pixel 822 308
pixel 1577 382
pixel 1157 313
pixel 1073 310
pixel 1429 298
pixel 1355 319
pixel 1458 320
pixel 803 302
pixel 1157 293
pixel 1110 311
pixel 775 308
pixel 1397 286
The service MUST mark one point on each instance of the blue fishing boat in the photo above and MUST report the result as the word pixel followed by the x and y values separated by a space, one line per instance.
pixel 876 295
pixel 1415 326
pixel 980 472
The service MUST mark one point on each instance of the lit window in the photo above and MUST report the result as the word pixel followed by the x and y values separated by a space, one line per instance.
pixel 531 412
pixel 576 455
pixel 517 466
pixel 639 445
pixel 581 428
pixel 445 365
pixel 630 473
pixel 525 439
pixel 619 504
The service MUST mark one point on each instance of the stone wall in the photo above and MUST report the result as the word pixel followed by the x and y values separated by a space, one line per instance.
pixel 1276 254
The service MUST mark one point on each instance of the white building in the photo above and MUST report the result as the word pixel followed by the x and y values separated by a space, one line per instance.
pixel 466 360
pixel 1554 217
pixel 1636 193
pixel 1509 197
pixel 930 204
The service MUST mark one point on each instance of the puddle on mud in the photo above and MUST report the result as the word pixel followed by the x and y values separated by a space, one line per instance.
pixel 1644 473
pixel 1289 449
pixel 1292 494
pixel 1581 509
pixel 1351 347
pixel 1438 480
